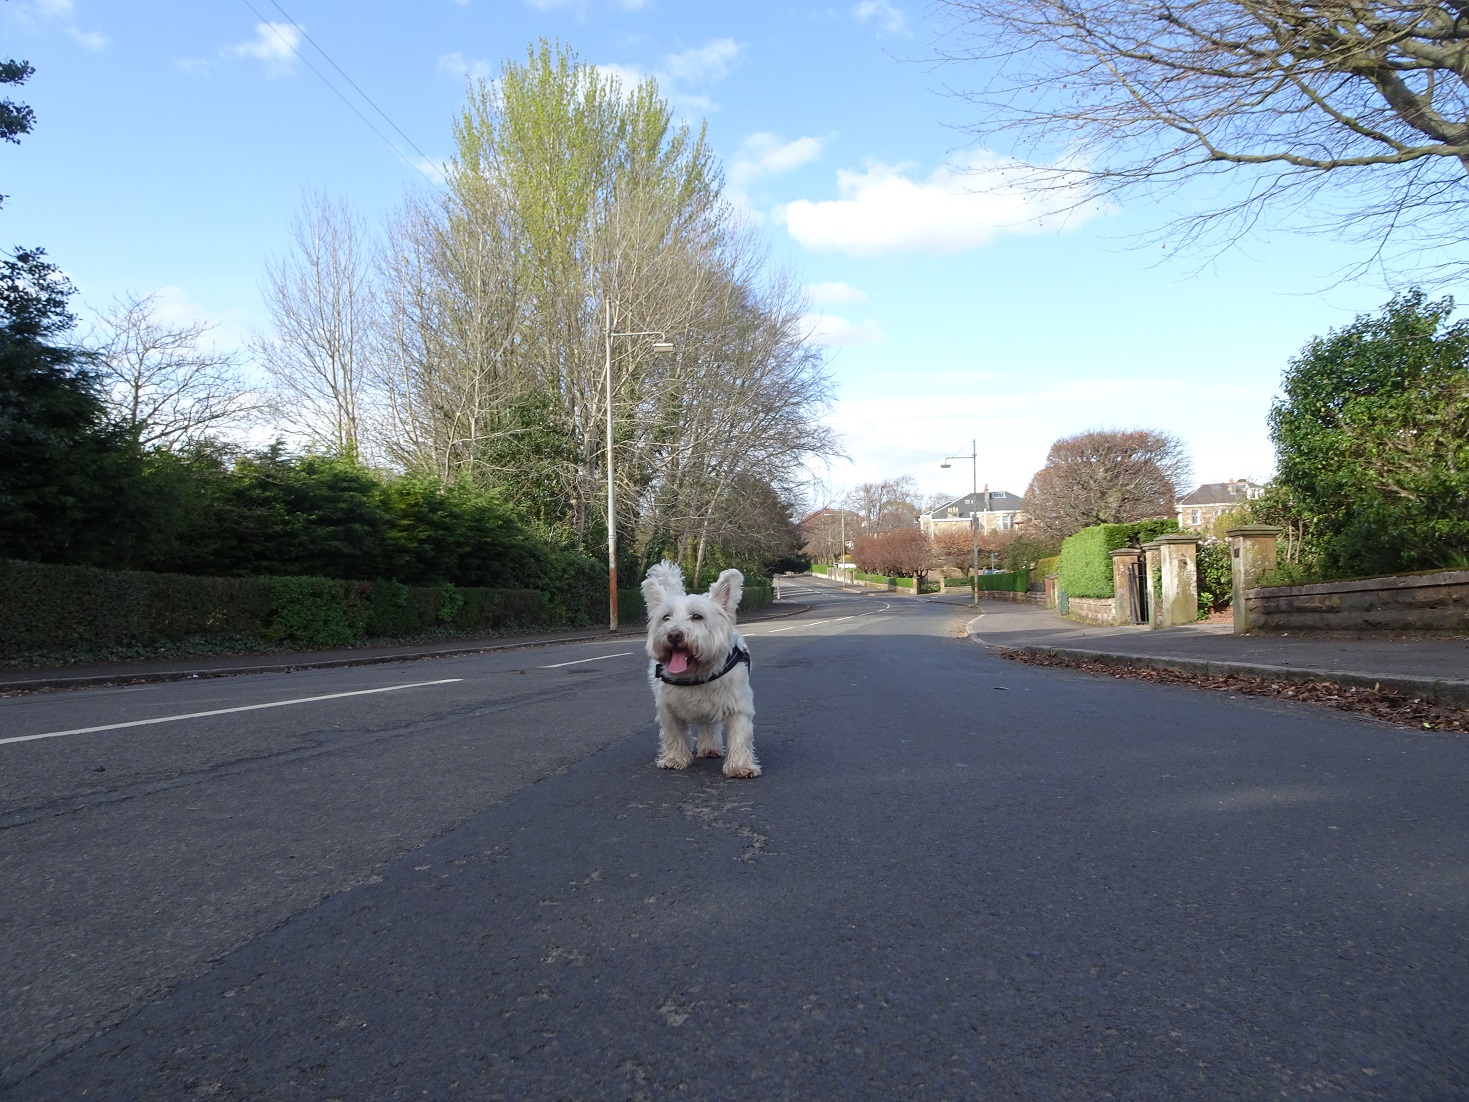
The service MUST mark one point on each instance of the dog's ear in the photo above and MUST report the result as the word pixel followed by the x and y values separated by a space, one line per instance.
pixel 664 580
pixel 726 590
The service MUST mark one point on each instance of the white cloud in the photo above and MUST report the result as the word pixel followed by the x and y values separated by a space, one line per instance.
pixel 274 46
pixel 882 210
pixel 194 66
pixel 677 72
pixel 834 294
pixel 437 171
pixel 172 307
pixel 628 77
pixel 702 63
pixel 763 155
pixel 889 20
pixel 835 332
pixel 61 13
pixel 455 65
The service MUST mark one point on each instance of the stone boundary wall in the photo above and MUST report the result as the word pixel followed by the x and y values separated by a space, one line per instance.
pixel 1092 610
pixel 1437 603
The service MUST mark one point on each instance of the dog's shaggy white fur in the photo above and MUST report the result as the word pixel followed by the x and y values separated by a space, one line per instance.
pixel 691 637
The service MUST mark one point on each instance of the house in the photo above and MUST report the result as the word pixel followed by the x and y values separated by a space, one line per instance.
pixel 995 511
pixel 1198 510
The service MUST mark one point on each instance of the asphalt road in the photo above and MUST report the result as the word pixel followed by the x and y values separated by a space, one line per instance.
pixel 959 877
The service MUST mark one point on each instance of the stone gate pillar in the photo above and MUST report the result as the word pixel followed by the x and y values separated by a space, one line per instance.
pixel 1251 554
pixel 1122 558
pixel 1150 569
pixel 1178 561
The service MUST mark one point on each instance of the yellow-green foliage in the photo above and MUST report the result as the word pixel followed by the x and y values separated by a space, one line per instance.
pixel 1086 565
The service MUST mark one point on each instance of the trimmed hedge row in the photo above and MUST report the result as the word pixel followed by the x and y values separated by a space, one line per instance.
pixel 46 608
pixel 1086 566
pixel 1012 581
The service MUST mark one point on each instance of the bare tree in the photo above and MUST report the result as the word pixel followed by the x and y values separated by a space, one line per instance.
pixel 887 505
pixel 165 383
pixel 443 362
pixel 901 552
pixel 828 532
pixel 1107 477
pixel 320 302
pixel 1340 114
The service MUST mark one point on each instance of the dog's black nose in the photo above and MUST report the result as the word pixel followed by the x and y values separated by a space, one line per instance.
pixel 675 638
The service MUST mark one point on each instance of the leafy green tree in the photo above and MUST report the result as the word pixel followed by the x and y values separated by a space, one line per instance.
pixel 1372 440
pixel 15 118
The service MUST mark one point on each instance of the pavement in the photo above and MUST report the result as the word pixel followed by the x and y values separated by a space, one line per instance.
pixel 1436 670
pixel 139 671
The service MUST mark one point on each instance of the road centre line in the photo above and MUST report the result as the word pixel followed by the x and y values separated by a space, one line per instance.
pixel 227 711
pixel 579 661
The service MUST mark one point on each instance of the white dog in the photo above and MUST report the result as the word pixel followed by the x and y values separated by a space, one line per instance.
pixel 700 672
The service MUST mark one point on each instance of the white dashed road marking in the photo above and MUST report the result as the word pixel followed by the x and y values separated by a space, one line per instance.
pixel 579 661
pixel 227 711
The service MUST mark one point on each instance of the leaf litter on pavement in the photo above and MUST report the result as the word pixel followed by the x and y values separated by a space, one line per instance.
pixel 1378 702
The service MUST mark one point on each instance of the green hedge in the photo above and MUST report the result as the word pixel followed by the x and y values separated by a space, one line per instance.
pixel 1013 581
pixel 63 610
pixel 756 596
pixel 880 579
pixel 1086 566
pixel 45 608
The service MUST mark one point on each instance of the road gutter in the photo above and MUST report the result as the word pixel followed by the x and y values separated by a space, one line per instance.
pixel 41 684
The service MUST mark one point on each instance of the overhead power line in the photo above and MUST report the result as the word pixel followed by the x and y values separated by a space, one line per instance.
pixel 338 92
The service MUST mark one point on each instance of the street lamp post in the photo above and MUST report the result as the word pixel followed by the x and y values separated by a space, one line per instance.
pixel 662 346
pixel 973 457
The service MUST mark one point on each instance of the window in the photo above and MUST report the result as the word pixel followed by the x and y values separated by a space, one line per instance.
pixel 953 511
pixel 1194 517
pixel 1007 522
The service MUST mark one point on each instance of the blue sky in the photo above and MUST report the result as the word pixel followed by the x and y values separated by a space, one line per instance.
pixel 175 140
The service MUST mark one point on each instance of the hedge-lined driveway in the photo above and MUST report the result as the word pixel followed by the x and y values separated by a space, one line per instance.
pixel 958 878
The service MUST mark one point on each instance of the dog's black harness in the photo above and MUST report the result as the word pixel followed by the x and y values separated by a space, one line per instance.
pixel 737 654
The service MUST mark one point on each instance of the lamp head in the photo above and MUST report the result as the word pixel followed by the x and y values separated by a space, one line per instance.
pixel 943 466
pixel 663 346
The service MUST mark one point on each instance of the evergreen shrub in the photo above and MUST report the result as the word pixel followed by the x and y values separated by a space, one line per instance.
pixel 1085 566
pixel 1014 581
pixel 54 609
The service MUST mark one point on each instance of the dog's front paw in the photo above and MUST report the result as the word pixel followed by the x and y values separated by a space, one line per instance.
pixel 670 762
pixel 741 772
pixel 710 752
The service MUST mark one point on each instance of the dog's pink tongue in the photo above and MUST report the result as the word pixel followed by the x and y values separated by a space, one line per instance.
pixel 678 661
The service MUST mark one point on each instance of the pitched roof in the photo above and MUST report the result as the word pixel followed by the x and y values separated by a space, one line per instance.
pixel 1221 493
pixel 1001 501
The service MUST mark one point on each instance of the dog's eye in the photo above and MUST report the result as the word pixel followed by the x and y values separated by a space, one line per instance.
pixel 668 616
pixel 696 616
